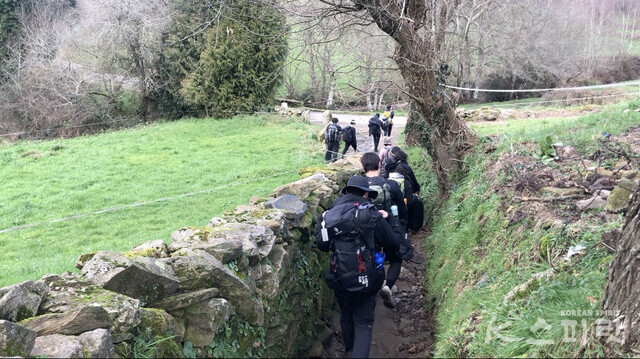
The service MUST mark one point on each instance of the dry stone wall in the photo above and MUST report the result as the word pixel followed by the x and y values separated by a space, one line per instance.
pixel 249 283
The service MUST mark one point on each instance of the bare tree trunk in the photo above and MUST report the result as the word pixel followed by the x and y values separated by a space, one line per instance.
pixel 375 98
pixel 479 70
pixel 314 80
pixel 369 103
pixel 380 104
pixel 434 124
pixel 332 89
pixel 623 289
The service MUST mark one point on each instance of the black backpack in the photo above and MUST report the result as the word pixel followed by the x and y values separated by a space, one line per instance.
pixel 349 227
pixel 405 252
pixel 332 134
pixel 349 134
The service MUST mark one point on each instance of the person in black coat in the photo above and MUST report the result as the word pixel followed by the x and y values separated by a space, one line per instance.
pixel 357 311
pixel 375 130
pixel 349 137
pixel 333 145
pixel 401 157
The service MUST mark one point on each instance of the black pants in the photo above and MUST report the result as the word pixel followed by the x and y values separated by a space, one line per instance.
pixel 332 151
pixel 352 144
pixel 357 314
pixel 388 131
pixel 376 140
pixel 393 271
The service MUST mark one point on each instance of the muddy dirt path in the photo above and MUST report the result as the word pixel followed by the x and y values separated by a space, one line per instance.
pixel 402 332
pixel 405 331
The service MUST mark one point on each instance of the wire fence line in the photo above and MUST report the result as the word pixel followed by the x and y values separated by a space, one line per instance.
pixel 564 100
pixel 143 203
pixel 576 88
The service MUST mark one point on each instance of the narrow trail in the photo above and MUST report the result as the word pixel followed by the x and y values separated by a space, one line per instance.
pixel 402 332
pixel 405 331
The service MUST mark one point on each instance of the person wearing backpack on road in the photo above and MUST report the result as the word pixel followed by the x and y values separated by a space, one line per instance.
pixel 332 138
pixel 349 138
pixel 387 116
pixel 355 231
pixel 391 199
pixel 375 126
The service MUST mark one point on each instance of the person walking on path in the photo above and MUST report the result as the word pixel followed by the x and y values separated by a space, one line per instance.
pixel 349 137
pixel 332 138
pixel 390 198
pixel 385 156
pixel 354 231
pixel 375 129
pixel 415 207
pixel 387 119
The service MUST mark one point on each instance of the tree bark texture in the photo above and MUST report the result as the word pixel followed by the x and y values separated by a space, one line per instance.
pixel 622 295
pixel 417 30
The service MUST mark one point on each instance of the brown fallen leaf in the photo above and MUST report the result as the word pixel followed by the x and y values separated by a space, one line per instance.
pixel 412 350
pixel 592 300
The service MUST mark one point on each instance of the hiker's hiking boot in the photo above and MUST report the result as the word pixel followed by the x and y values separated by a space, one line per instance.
pixel 387 297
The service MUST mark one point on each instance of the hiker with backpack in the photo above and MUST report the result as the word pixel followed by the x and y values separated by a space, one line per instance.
pixel 332 138
pixel 387 119
pixel 390 198
pixel 349 137
pixel 375 129
pixel 415 207
pixel 355 232
pixel 396 177
pixel 386 156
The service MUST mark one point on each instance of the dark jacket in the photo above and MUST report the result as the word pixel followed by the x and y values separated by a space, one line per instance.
pixel 397 198
pixel 384 236
pixel 411 177
pixel 375 124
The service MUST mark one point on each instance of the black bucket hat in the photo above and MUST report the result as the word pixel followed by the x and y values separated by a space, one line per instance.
pixel 362 184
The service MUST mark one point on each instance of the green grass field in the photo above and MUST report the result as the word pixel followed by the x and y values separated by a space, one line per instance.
pixel 215 164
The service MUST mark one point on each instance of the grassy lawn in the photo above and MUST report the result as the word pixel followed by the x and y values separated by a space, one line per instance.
pixel 519 128
pixel 218 164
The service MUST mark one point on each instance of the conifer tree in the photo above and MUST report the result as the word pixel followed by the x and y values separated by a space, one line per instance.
pixel 241 63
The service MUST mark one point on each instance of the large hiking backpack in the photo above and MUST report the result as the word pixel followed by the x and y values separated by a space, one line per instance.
pixel 398 178
pixel 384 195
pixel 349 227
pixel 332 133
pixel 405 251
pixel 349 134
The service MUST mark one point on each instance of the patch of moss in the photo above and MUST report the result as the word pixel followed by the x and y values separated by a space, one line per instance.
pixel 167 347
pixel 12 348
pixel 153 320
pixel 150 252
pixel 84 258
pixel 545 245
pixel 23 313
pixel 308 171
